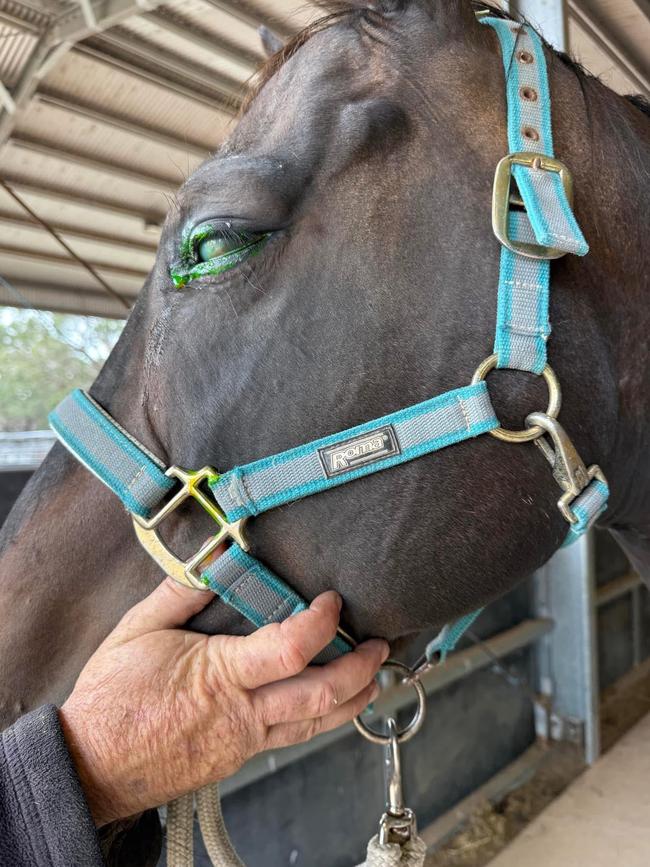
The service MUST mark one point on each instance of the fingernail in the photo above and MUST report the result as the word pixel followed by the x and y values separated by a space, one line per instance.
pixel 339 601
pixel 375 692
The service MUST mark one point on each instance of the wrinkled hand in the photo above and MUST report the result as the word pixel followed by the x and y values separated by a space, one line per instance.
pixel 159 711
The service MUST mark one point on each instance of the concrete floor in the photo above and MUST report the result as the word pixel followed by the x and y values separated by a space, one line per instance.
pixel 602 819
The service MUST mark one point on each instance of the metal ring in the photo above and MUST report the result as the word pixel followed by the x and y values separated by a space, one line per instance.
pixel 415 724
pixel 554 403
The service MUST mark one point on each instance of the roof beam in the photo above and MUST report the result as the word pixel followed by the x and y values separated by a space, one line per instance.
pixel 207 41
pixel 63 194
pixel 584 16
pixel 226 90
pixel 56 41
pixel 53 259
pixel 116 121
pixel 34 25
pixel 70 231
pixel 44 149
pixel 175 80
pixel 63 299
pixel 77 25
pixel 247 14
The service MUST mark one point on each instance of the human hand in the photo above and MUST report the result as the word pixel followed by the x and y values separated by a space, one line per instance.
pixel 159 711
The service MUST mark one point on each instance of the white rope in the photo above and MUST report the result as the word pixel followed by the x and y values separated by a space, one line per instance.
pixel 180 821
pixel 180 829
pixel 213 830
pixel 411 854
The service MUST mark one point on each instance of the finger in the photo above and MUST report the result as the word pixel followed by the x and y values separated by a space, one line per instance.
pixel 317 691
pixel 281 650
pixel 169 606
pixel 286 734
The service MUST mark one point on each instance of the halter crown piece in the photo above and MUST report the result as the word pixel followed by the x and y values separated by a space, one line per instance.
pixel 534 224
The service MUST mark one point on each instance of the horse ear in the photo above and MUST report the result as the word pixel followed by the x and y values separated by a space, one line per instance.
pixel 271 42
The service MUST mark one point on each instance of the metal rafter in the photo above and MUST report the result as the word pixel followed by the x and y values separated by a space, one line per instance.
pixel 78 24
pixel 64 299
pixel 70 231
pixel 96 203
pixel 56 152
pixel 116 121
pixel 66 261
pixel 207 41
pixel 584 16
pixel 175 80
pixel 247 14
pixel 227 91
pixel 54 42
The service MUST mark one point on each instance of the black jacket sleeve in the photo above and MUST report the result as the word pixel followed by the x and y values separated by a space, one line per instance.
pixel 44 818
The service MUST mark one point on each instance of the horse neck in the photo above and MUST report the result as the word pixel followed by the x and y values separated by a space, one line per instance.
pixel 617 210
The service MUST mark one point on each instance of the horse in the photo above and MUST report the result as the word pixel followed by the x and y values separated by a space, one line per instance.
pixel 364 158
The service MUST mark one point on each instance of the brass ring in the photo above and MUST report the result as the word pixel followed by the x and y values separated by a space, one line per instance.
pixel 415 724
pixel 554 403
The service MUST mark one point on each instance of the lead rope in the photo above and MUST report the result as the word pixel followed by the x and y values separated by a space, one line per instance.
pixel 180 830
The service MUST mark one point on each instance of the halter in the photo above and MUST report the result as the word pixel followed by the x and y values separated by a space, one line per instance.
pixel 534 224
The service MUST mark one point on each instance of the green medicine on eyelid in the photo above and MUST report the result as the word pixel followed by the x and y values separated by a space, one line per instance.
pixel 184 272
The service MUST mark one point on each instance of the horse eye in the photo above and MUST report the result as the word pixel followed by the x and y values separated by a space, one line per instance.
pixel 218 244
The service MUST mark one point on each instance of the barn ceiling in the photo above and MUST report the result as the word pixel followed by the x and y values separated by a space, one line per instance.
pixel 107 106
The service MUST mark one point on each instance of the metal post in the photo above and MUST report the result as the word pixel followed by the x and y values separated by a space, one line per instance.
pixel 565 588
pixel 548 16
pixel 567 657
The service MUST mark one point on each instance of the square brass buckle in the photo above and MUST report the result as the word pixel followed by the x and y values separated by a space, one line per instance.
pixel 185 571
pixel 502 199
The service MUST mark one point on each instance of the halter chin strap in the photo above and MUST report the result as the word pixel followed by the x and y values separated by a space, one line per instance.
pixel 533 227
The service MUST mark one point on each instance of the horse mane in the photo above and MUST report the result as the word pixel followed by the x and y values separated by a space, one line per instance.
pixel 337 10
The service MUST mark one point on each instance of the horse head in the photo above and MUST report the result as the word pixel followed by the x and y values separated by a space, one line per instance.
pixel 348 214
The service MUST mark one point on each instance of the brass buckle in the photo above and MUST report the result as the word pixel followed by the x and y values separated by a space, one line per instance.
pixel 184 571
pixel 569 470
pixel 502 199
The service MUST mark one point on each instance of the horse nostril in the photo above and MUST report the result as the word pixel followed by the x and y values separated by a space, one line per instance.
pixel 524 57
pixel 530 133
pixel 528 93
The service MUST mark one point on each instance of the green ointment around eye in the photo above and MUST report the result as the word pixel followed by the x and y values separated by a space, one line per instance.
pixel 185 271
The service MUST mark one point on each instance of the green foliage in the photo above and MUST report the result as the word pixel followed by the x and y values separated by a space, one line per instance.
pixel 43 356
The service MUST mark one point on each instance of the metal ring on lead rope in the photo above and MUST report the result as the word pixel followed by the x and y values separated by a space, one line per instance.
pixel 554 402
pixel 415 724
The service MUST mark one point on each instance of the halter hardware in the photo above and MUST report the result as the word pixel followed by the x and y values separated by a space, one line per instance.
pixel 147 532
pixel 552 411
pixel 569 470
pixel 502 199
pixel 408 677
pixel 398 824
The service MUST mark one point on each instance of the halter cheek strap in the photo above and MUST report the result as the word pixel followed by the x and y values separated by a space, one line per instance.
pixel 534 224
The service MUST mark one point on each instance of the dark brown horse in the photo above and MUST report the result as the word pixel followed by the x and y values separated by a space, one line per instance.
pixel 368 153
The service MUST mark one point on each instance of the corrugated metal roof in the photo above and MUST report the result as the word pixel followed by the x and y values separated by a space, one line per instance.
pixel 115 122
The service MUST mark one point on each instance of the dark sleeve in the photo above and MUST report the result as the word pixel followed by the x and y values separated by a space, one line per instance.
pixel 44 818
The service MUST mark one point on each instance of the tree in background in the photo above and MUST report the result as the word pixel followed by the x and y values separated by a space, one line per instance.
pixel 43 356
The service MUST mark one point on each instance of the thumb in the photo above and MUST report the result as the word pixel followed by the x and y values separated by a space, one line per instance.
pixel 169 606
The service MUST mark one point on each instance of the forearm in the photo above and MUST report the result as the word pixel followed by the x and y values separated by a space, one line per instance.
pixel 44 818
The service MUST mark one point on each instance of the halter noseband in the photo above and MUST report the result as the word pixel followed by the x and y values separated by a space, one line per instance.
pixel 533 227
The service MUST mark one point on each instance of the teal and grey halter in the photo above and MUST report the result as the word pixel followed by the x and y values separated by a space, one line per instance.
pixel 533 227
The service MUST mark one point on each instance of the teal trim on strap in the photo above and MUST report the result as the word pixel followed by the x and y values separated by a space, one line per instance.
pixel 259 594
pixel 448 637
pixel 546 203
pixel 523 325
pixel 107 450
pixel 367 448
pixel 587 507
